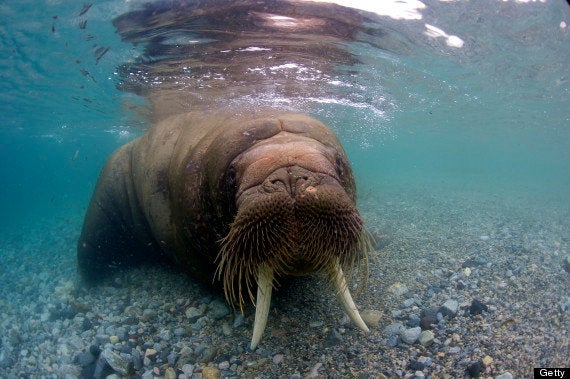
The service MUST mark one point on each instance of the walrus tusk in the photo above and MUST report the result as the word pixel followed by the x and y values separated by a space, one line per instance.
pixel 343 294
pixel 264 287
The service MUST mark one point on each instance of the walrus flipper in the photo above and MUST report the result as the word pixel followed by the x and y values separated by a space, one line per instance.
pixel 115 233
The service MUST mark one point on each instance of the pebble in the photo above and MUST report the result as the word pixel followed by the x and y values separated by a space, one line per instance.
pixel 477 307
pixel 394 329
pixel 505 375
pixel 224 365
pixel 278 358
pixel 398 289
pixel 371 317
pixel 454 350
pixel 194 313
pixel 450 307
pixel 411 335
pixel 426 338
pixel 116 361
pixel 218 309
pixel 487 361
pixel 210 373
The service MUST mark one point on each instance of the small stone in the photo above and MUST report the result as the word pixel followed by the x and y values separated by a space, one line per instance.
pixel 487 361
pixel 170 373
pixel 114 339
pixel 188 369
pixel 149 352
pixel 224 365
pixel 194 313
pixel 85 358
pixel 484 238
pixel 411 335
pixel 150 314
pixel 454 350
pixel 474 369
pixel 505 375
pixel 392 341
pixel 219 309
pixel 118 363
pixel 398 289
pixel 477 307
pixel 450 307
pixel 427 361
pixel 210 373
pixel 426 338
pixel 238 320
pixel 278 358
pixel 467 271
pixel 394 329
pixel 408 302
pixel 371 317
pixel 415 365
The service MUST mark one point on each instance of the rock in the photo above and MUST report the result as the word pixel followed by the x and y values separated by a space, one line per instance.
pixel 170 373
pixel 449 308
pixel 278 358
pixel 392 341
pixel 149 314
pixel 398 289
pixel 224 365
pixel 218 309
pixel 455 350
pixel 411 335
pixel 408 302
pixel 426 338
pixel 415 365
pixel 371 317
pixel 210 373
pixel 114 339
pixel 487 361
pixel 505 375
pixel 394 329
pixel 428 317
pixel 117 362
pixel 194 313
pixel 477 307
pixel 238 320
pixel 333 338
pixel 85 358
pixel 188 370
pixel 474 369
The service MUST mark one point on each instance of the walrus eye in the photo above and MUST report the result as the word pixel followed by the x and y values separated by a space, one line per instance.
pixel 339 163
pixel 231 175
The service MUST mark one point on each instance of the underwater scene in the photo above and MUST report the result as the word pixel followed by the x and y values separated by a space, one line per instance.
pixel 451 170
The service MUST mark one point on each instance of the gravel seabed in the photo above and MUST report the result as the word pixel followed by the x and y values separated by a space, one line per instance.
pixel 460 287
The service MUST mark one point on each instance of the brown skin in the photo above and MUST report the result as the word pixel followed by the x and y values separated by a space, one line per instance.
pixel 206 192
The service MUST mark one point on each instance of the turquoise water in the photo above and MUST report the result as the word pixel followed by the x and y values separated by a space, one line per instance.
pixel 491 117
pixel 484 123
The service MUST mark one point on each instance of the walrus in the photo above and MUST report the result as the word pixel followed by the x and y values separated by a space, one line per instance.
pixel 233 184
pixel 238 200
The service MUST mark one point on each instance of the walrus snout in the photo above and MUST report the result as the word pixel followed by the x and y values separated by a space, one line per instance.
pixel 294 180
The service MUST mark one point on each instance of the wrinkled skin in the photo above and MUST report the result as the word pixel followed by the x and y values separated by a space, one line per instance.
pixel 235 200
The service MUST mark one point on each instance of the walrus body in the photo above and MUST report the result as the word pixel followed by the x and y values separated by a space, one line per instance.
pixel 255 193
pixel 236 199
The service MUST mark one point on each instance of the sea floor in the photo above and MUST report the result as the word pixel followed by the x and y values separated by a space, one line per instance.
pixel 460 286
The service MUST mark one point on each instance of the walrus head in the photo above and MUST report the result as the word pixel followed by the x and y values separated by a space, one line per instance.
pixel 296 215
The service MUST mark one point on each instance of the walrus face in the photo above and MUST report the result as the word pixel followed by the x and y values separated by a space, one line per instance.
pixel 295 215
